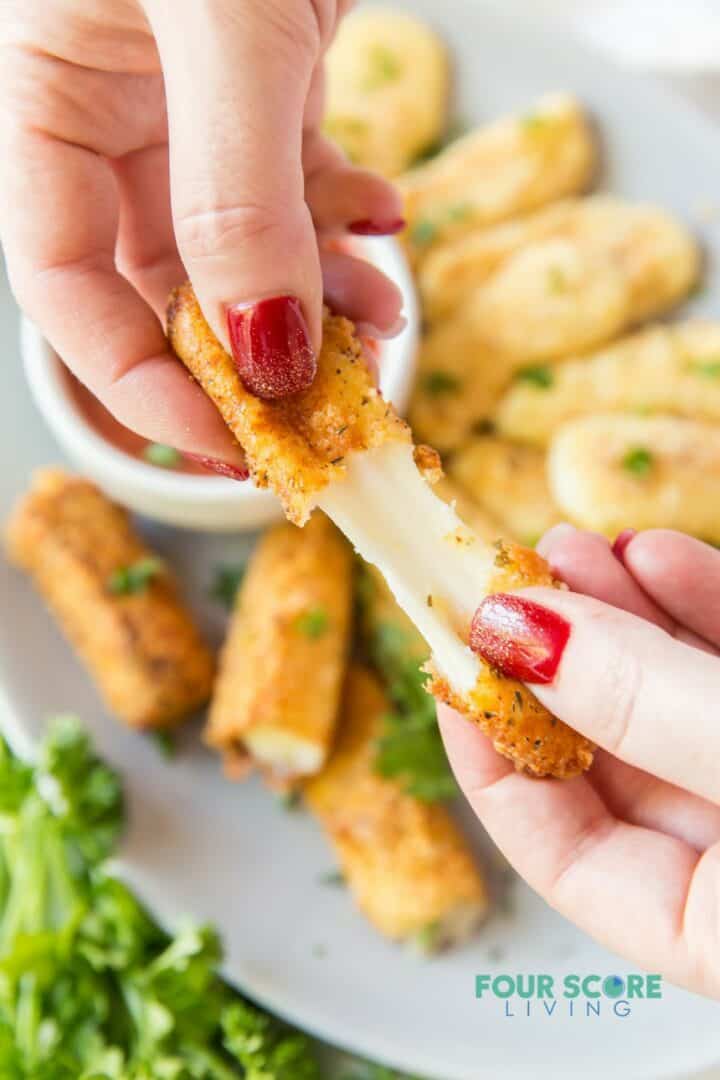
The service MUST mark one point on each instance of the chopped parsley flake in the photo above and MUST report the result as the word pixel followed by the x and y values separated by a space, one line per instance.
pixel 226 583
pixel 538 375
pixel 384 67
pixel 638 460
pixel 556 280
pixel 423 232
pixel 332 877
pixel 165 457
pixel 165 743
pixel 709 366
pixel 459 211
pixel 428 939
pixel 312 623
pixel 135 578
pixel 535 123
pixel 439 383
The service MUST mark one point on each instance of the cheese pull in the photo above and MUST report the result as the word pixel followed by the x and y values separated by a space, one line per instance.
pixel 341 447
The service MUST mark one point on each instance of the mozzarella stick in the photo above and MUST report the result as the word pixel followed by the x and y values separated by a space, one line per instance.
pixel 611 472
pixel 575 289
pixel 341 447
pixel 672 369
pixel 459 383
pixel 387 85
pixel 405 862
pixel 281 668
pixel 643 261
pixel 113 599
pixel 509 482
pixel 497 172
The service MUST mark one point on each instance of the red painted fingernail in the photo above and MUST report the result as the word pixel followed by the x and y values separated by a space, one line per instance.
pixel 271 346
pixel 222 468
pixel 621 542
pixel 519 638
pixel 370 227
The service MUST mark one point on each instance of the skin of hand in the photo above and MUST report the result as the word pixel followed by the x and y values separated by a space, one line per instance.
pixel 630 851
pixel 147 141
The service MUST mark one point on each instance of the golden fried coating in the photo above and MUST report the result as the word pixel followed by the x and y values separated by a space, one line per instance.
pixel 497 172
pixel 610 472
pixel 387 89
pixel 567 284
pixel 509 482
pixel 611 259
pixel 520 727
pixel 672 369
pixel 140 644
pixel 295 445
pixel 405 862
pixel 281 669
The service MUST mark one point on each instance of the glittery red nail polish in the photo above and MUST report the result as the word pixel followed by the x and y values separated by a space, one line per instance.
pixel 621 542
pixel 518 637
pixel 370 227
pixel 271 346
pixel 222 468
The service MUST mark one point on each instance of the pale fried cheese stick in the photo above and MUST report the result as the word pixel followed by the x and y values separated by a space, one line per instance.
pixel 405 862
pixel 673 369
pixel 499 171
pixel 340 446
pixel 510 483
pixel 610 472
pixel 645 258
pixel 142 649
pixel 281 669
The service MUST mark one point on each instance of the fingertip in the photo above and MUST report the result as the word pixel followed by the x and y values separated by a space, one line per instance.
pixel 553 538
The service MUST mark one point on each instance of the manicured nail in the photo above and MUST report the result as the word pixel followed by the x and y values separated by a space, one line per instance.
pixel 370 227
pixel 621 542
pixel 519 638
pixel 222 468
pixel 271 346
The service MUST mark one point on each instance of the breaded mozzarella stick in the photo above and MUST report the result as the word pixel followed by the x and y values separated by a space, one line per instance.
pixel 341 447
pixel 281 669
pixel 405 862
pixel 114 600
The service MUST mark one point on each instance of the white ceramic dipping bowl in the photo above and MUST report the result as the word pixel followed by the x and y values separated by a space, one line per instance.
pixel 211 503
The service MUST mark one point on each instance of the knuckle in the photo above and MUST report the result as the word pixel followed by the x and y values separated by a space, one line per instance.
pixel 621 688
pixel 220 231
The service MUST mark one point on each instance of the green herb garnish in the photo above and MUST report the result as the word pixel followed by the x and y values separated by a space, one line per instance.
pixel 423 232
pixel 428 939
pixel 166 457
pixel 410 747
pixel 290 800
pixel 165 742
pixel 91 986
pixel 439 383
pixel 709 367
pixel 537 375
pixel 556 280
pixel 384 67
pixel 226 582
pixel 639 461
pixel 312 623
pixel 535 123
pixel 459 211
pixel 332 877
pixel 135 578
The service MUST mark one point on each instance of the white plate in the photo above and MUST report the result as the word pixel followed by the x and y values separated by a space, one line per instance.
pixel 228 853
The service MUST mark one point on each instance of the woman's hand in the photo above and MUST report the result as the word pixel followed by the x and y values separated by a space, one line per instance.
pixel 111 106
pixel 630 852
